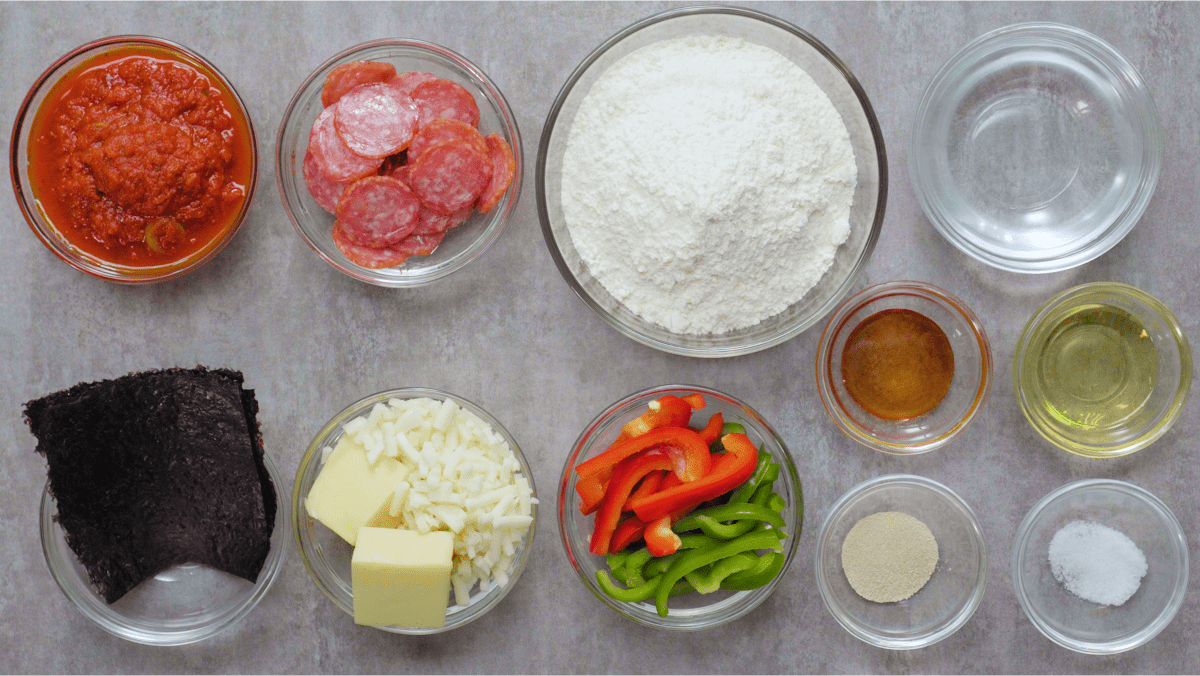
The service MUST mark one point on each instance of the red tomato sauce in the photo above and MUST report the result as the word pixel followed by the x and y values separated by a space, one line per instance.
pixel 140 157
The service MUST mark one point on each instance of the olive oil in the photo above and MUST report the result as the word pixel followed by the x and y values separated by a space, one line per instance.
pixel 1093 369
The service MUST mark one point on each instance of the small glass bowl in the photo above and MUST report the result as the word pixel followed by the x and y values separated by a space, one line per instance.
pixel 834 78
pixel 41 225
pixel 688 612
pixel 327 556
pixel 462 244
pixel 950 597
pixel 182 605
pixel 972 369
pixel 1081 625
pixel 1139 428
pixel 1036 148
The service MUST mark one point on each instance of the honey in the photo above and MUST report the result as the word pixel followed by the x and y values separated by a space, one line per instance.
pixel 897 364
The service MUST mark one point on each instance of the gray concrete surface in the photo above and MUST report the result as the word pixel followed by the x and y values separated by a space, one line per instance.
pixel 509 334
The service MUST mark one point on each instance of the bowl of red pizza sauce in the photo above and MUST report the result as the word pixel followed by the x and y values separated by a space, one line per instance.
pixel 133 159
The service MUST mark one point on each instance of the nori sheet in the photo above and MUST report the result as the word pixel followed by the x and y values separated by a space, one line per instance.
pixel 157 469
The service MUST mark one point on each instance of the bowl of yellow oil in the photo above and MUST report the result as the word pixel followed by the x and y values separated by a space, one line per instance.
pixel 1102 370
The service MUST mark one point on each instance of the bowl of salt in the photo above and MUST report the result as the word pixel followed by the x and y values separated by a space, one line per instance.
pixel 1100 566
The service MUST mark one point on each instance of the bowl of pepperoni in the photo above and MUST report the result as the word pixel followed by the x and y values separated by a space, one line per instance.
pixel 399 162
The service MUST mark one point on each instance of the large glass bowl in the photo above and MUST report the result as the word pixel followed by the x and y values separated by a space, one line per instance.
pixel 848 97
pixel 689 611
pixel 49 234
pixel 1081 625
pixel 327 556
pixel 950 597
pixel 184 604
pixel 1140 426
pixel 972 369
pixel 1036 148
pixel 463 244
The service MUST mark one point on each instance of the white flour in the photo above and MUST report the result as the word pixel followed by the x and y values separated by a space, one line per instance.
pixel 707 183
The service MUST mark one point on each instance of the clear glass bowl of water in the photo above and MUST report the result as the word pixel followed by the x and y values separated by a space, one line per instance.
pixel 1036 148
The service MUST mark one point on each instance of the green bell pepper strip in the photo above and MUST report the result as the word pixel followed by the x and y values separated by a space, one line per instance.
pixel 732 428
pixel 680 588
pixel 617 560
pixel 766 568
pixel 703 556
pixel 763 495
pixel 720 513
pixel 776 503
pixel 709 581
pixel 633 567
pixel 746 490
pixel 633 594
pixel 660 565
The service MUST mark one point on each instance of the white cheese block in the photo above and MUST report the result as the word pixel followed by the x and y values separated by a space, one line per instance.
pixel 349 493
pixel 401 578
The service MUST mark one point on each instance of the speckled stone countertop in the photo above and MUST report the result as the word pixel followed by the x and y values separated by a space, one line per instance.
pixel 509 334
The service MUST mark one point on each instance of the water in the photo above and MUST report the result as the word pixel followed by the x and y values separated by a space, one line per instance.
pixel 1032 154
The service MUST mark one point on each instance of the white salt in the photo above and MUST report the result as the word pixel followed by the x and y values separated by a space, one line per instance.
pixel 1097 563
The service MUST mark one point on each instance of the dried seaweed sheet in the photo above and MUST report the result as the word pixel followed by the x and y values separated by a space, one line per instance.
pixel 157 469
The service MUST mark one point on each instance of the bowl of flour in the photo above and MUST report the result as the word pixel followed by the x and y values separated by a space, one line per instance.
pixel 711 181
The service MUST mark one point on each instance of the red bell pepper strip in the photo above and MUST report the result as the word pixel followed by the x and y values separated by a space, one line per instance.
pixel 712 431
pixel 668 411
pixel 649 485
pixel 660 539
pixel 691 453
pixel 625 476
pixel 695 400
pixel 732 470
pixel 591 491
pixel 628 532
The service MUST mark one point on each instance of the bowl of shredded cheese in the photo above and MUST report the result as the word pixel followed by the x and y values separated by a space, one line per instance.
pixel 711 181
pixel 438 464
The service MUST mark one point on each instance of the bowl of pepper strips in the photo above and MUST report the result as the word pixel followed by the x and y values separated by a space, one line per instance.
pixel 680 507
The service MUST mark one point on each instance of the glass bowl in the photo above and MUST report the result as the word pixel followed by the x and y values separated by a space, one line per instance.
pixel 41 225
pixel 462 244
pixel 184 604
pixel 950 597
pixel 327 556
pixel 1036 148
pixel 1088 627
pixel 848 97
pixel 1137 427
pixel 689 611
pixel 972 369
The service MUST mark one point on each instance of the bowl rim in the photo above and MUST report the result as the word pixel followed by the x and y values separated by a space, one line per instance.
pixel 489 236
pixel 552 118
pixel 861 299
pixel 1138 95
pixel 111 621
pixel 567 502
pixel 469 613
pixel 115 273
pixel 1173 409
pixel 1178 537
pixel 959 619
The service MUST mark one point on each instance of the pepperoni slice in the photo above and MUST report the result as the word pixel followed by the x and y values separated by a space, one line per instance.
pixel 419 245
pixel 431 222
pixel 323 190
pixel 377 211
pixel 407 82
pixel 331 155
pixel 503 168
pixel 443 98
pixel 403 174
pixel 446 129
pixel 350 75
pixel 375 120
pixel 450 176
pixel 367 257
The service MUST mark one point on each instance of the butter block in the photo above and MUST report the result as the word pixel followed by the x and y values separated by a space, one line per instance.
pixel 401 577
pixel 349 493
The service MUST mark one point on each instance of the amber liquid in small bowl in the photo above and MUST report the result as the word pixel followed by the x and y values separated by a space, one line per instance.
pixel 898 364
